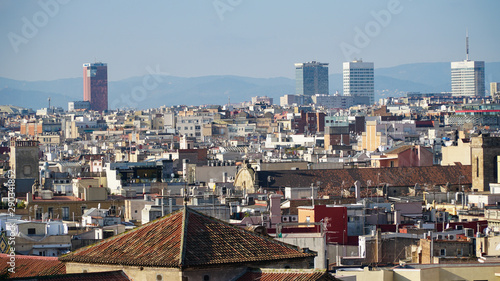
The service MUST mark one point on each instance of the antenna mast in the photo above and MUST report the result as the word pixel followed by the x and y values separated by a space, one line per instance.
pixel 467 43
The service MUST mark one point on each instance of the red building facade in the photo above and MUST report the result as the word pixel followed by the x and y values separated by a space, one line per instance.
pixel 95 85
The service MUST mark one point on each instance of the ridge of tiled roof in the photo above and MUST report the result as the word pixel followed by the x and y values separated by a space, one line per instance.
pixel 183 235
pixel 231 244
pixel 185 238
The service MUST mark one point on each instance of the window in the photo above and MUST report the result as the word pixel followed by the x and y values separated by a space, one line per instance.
pixel 65 213
pixel 477 167
pixel 308 219
pixel 39 213
pixel 31 231
pixel 442 252
pixel 50 211
pixel 459 252
pixel 206 278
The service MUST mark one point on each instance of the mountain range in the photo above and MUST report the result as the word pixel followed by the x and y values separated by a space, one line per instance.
pixel 219 89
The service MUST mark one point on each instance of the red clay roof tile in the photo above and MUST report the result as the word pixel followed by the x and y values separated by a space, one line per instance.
pixel 399 176
pixel 28 266
pixel 93 276
pixel 185 238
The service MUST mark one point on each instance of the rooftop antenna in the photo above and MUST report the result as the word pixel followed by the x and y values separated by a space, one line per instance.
pixel 467 43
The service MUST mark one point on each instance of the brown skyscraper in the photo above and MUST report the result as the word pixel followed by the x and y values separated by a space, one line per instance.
pixel 95 85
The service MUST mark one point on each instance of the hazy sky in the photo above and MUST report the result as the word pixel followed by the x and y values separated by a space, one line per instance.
pixel 51 39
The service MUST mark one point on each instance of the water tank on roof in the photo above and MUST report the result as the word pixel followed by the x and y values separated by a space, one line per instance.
pixel 47 195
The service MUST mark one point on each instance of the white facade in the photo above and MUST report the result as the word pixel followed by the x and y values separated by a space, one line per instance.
pixel 467 78
pixel 359 79
pixel 191 126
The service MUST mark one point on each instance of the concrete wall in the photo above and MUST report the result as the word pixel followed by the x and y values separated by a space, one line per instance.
pixel 458 272
pixel 39 228
pixel 460 153
pixel 25 246
pixel 135 273
pixel 314 241
pixel 138 273
pixel 133 209
pixel 367 275
pixel 490 246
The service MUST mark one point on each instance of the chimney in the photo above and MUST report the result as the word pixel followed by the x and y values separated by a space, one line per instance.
pixel 275 205
pixel 357 186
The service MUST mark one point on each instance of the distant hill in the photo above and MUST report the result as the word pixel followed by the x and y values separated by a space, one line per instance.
pixel 171 90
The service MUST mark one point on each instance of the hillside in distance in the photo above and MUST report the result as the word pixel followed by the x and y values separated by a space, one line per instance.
pixel 219 89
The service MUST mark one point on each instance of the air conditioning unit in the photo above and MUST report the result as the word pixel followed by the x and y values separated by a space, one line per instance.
pixel 451 237
pixel 265 218
pixel 285 218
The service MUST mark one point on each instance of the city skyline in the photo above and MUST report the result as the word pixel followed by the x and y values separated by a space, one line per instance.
pixel 242 38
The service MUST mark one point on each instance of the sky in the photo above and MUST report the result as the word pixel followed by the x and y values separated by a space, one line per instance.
pixel 51 39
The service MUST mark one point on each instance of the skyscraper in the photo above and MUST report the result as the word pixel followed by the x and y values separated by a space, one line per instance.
pixel 311 78
pixel 359 81
pixel 495 91
pixel 467 77
pixel 95 85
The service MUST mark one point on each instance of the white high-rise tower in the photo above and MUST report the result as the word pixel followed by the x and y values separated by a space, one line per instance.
pixel 359 81
pixel 467 77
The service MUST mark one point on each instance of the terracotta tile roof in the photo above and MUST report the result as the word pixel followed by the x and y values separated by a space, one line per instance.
pixel 286 275
pixel 397 150
pixel 27 266
pixel 93 276
pixel 185 238
pixel 399 176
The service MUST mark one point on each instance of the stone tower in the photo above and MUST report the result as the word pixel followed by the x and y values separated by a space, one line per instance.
pixel 484 150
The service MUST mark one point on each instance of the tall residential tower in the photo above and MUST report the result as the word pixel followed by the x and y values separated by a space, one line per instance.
pixel 95 85
pixel 359 81
pixel 311 78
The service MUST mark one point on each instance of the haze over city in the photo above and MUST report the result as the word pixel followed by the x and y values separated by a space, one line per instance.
pixel 43 41
pixel 249 140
